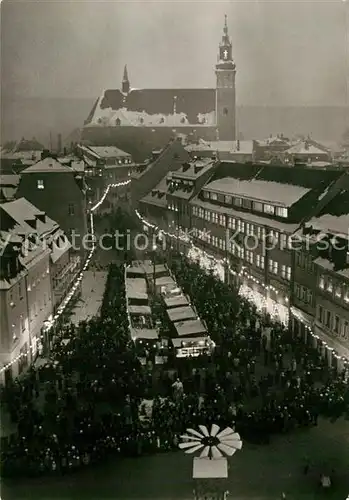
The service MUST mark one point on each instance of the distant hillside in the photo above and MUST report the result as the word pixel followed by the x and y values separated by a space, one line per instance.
pixel 28 117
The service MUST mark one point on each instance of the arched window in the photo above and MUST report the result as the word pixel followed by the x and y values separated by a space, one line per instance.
pixel 225 111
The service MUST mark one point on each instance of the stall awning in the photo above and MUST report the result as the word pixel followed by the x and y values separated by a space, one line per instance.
pixel 190 327
pixel 166 281
pixel 177 343
pixel 178 301
pixel 136 288
pixel 181 313
pixel 144 310
pixel 144 334
pixel 138 271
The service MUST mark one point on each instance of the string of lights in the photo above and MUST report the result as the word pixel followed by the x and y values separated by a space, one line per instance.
pixel 51 323
pixel 252 294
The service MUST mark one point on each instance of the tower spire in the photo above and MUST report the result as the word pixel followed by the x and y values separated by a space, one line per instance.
pixel 125 81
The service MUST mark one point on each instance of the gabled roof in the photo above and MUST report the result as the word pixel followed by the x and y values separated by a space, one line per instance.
pixel 334 216
pixel 305 148
pixel 9 180
pixel 47 165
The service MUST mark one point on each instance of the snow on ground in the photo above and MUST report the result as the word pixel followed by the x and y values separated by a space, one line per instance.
pixel 92 290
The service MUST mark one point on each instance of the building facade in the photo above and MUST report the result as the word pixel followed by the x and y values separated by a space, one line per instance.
pixel 60 192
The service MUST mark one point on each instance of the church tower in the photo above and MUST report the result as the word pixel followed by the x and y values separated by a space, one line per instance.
pixel 125 86
pixel 225 89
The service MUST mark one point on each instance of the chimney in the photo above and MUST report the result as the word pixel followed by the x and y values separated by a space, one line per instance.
pixel 45 154
pixel 59 143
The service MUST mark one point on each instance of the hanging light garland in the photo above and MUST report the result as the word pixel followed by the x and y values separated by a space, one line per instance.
pixel 51 323
pixel 244 274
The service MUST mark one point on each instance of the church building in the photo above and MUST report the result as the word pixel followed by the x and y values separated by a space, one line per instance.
pixel 140 120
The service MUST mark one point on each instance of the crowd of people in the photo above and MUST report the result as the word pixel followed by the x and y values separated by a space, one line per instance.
pixel 86 402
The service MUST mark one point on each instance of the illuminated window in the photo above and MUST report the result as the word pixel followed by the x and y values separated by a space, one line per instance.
pixel 40 184
pixel 231 223
pixel 338 291
pixel 329 285
pixel 269 209
pixel 213 196
pixel 322 282
pixel 281 212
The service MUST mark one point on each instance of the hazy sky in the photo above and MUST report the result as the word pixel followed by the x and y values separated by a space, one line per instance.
pixel 286 52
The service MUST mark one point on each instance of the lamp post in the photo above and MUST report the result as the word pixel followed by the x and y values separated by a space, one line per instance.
pixel 154 266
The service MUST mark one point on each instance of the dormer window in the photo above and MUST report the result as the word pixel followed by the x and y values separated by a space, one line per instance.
pixel 182 120
pixel 40 184
pixel 213 196
pixel 329 285
pixel 117 122
pixel 162 120
pixel 141 120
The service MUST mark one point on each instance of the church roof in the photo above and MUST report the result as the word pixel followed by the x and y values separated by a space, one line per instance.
pixel 155 107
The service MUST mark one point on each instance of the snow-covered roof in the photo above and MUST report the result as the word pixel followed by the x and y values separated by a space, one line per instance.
pixel 144 333
pixel 329 266
pixel 136 288
pixel 148 268
pixel 274 193
pixel 9 180
pixel 304 148
pixel 331 224
pixel 181 313
pixel 47 165
pixel 108 117
pixel 108 152
pixel 190 327
pixel 190 340
pixel 155 107
pixel 144 310
pixel 179 300
pixel 22 212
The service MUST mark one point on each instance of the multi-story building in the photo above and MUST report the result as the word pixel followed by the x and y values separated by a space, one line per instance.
pixel 37 271
pixel 18 155
pixel 60 192
pixel 321 305
pixel 167 205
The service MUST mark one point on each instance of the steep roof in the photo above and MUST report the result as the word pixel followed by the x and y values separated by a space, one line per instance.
pixel 305 148
pixel 334 216
pixel 47 165
pixel 22 212
pixel 156 107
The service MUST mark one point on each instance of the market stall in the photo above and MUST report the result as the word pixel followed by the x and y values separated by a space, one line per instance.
pixel 193 327
pixel 192 346
pixel 181 313
pixel 177 301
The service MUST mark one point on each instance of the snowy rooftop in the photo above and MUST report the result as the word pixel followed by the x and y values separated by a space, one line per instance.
pixel 144 333
pixel 47 165
pixel 136 288
pixel 144 310
pixel 305 148
pixel 181 313
pixel 238 147
pixel 22 212
pixel 190 327
pixel 329 266
pixel 178 301
pixel 270 192
pixel 165 281
pixel 109 152
pixel 189 340
pixel 331 224
pixel 159 268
